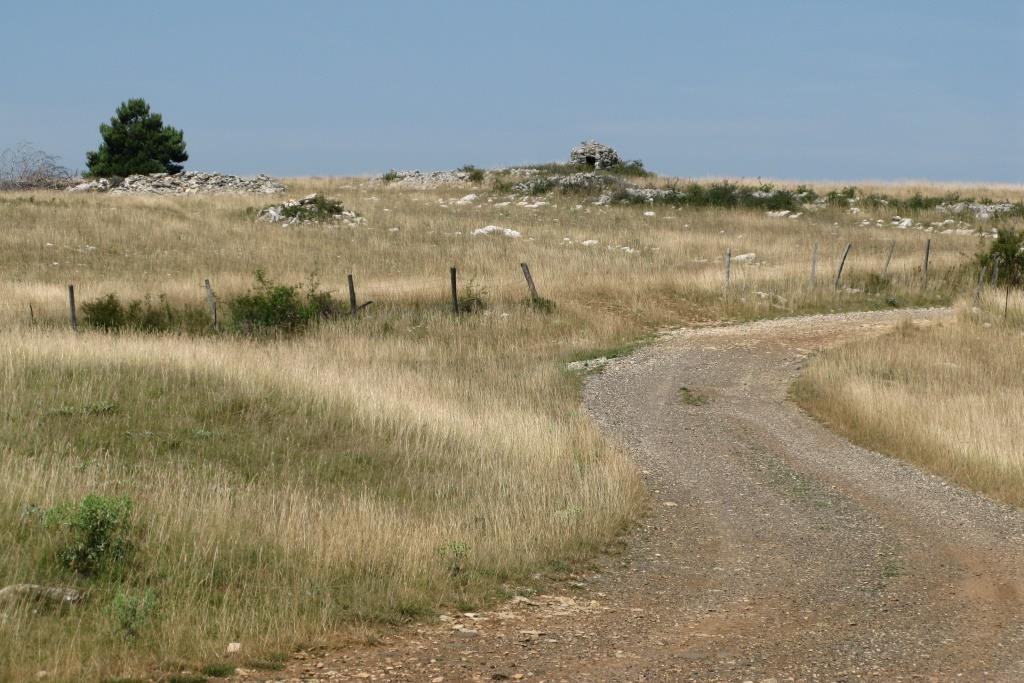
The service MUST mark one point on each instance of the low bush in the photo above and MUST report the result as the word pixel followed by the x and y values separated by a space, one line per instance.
pixel 476 175
pixel 633 169
pixel 131 613
pixel 716 195
pixel 1007 254
pixel 319 209
pixel 94 533
pixel 472 298
pixel 109 314
pixel 272 307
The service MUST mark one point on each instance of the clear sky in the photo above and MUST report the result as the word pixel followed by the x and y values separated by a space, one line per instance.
pixel 826 89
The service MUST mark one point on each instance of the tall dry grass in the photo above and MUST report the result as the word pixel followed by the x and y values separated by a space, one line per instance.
pixel 377 468
pixel 946 397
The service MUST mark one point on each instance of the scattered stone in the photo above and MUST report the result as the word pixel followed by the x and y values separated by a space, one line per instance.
pixel 234 647
pixel 744 258
pixel 574 182
pixel 99 185
pixel 588 364
pixel 421 180
pixel 594 154
pixel 21 593
pixel 313 208
pixel 496 230
pixel 186 182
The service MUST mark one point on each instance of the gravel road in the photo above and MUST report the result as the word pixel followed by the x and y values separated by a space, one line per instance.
pixel 775 550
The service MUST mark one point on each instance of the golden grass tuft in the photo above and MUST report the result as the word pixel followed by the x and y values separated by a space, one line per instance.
pixel 946 397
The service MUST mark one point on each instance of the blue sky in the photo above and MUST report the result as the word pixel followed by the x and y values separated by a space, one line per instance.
pixel 809 90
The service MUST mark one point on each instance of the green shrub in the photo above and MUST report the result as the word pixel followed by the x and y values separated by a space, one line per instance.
pixel 390 176
pixel 271 307
pixel 95 533
pixel 628 168
pixel 108 313
pixel 633 169
pixel 718 195
pixel 319 210
pixel 105 313
pixel 471 298
pixel 841 197
pixel 1008 251
pixel 476 175
pixel 131 613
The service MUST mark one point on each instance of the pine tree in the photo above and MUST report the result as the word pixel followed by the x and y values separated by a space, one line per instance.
pixel 136 141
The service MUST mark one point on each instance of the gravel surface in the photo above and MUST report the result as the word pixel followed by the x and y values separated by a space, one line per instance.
pixel 774 551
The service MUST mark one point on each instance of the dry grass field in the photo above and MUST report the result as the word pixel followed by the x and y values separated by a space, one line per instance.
pixel 946 397
pixel 295 489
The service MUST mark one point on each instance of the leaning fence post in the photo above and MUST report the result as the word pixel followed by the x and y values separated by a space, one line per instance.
pixel 814 263
pixel 842 262
pixel 927 253
pixel 212 300
pixel 728 265
pixel 31 314
pixel 455 292
pixel 351 295
pixel 888 258
pixel 529 282
pixel 71 307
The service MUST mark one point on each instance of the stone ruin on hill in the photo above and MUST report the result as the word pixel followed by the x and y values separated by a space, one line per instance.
pixel 594 154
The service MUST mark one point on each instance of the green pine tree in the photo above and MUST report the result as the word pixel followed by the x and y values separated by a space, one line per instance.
pixel 136 141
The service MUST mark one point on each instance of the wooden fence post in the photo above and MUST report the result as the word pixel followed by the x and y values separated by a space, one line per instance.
pixel 842 262
pixel 888 258
pixel 814 264
pixel 351 295
pixel 455 291
pixel 995 271
pixel 728 265
pixel 1006 301
pixel 31 314
pixel 529 282
pixel 927 253
pixel 71 307
pixel 212 300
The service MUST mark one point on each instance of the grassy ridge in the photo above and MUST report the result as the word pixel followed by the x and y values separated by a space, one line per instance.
pixel 372 469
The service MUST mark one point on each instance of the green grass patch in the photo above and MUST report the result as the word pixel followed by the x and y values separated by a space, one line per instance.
pixel 691 397
pixel 218 670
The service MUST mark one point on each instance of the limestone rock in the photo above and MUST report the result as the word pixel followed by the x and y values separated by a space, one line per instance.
pixel 30 593
pixel 312 208
pixel 186 182
pixel 423 180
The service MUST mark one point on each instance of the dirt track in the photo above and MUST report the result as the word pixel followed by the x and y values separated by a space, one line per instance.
pixel 775 550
